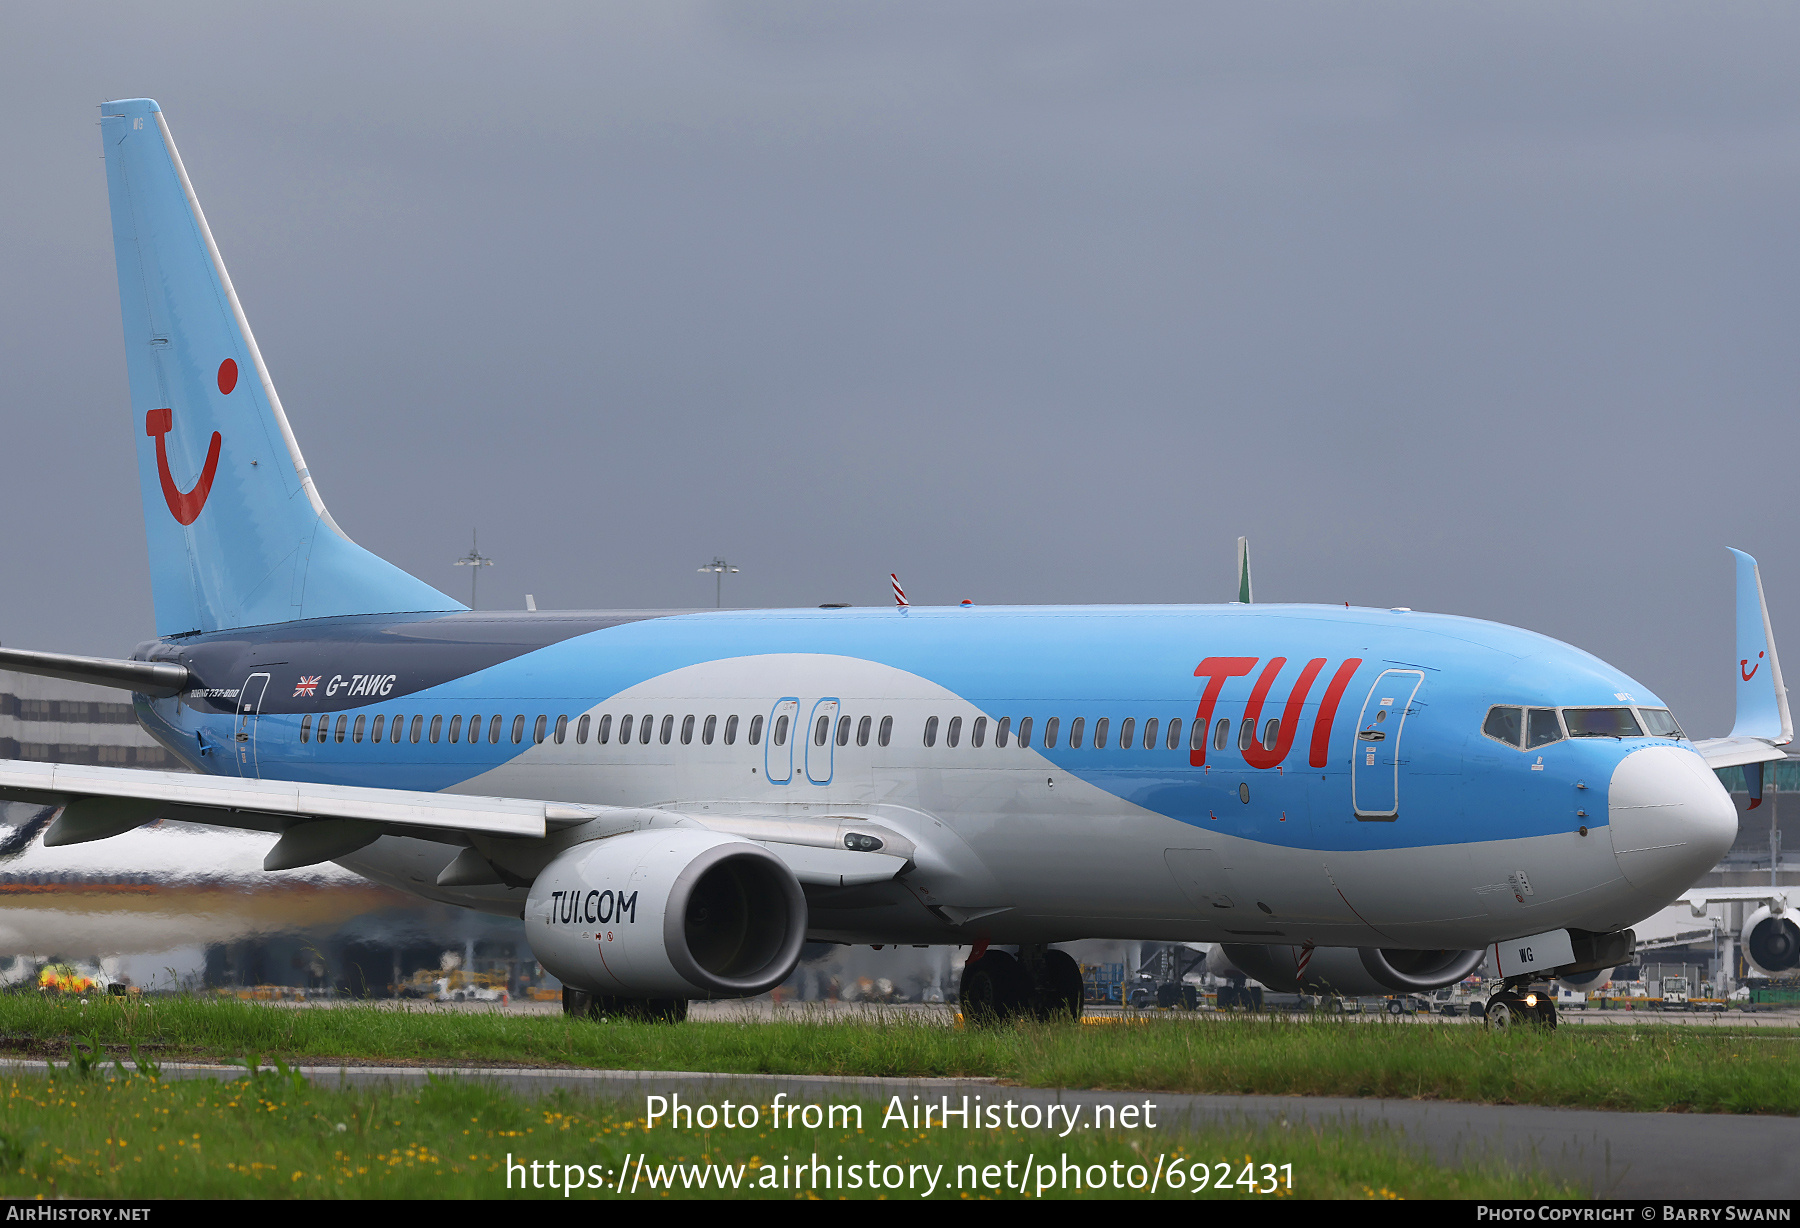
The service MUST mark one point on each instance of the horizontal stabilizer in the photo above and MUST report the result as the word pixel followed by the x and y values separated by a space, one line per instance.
pixel 153 678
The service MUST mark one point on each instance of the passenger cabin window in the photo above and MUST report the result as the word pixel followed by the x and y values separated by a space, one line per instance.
pixel 886 733
pixel 1150 734
pixel 1050 727
pixel 668 729
pixel 1271 731
pixel 756 724
pixel 603 734
pixel 646 726
pixel 394 727
pixel 1002 731
pixel 455 729
pixel 518 729
pixel 418 727
pixel 1542 728
pixel 862 730
pixel 625 729
pixel 324 728
pixel 562 729
pixel 1505 725
pixel 731 731
pixel 1601 723
pixel 687 730
pixel 356 730
pixel 779 736
pixel 1077 728
pixel 1127 732
pixel 437 728
pixel 1197 737
pixel 1024 733
pixel 494 729
pixel 843 731
pixel 1247 732
pixel 1100 727
pixel 822 729
pixel 342 724
pixel 375 730
pixel 953 732
pixel 931 731
pixel 306 728
pixel 1660 723
pixel 1222 732
pixel 709 728
pixel 978 732
pixel 581 730
pixel 1173 738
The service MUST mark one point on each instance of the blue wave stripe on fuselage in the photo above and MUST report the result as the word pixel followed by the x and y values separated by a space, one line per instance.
pixel 1113 662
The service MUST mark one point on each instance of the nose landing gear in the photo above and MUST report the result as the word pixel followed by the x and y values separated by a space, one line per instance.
pixel 1521 1003
pixel 1040 984
pixel 580 1004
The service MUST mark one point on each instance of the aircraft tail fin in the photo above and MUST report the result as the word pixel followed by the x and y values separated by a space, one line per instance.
pixel 1762 700
pixel 238 535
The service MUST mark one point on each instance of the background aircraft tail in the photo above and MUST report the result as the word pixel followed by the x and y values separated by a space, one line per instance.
pixel 238 535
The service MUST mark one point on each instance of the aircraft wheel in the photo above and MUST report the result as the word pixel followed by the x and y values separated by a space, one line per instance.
pixel 641 1010
pixel 577 1003
pixel 1504 1012
pixel 994 989
pixel 1059 997
pixel 1546 1012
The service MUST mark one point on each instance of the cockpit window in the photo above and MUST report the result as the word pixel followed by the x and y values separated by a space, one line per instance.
pixel 1602 723
pixel 1661 723
pixel 1542 728
pixel 1504 725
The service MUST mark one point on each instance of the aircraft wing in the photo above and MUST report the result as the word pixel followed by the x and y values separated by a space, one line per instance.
pixel 1734 752
pixel 319 822
pixel 1776 897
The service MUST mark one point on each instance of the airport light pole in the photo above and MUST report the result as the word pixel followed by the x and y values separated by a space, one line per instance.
pixel 718 567
pixel 475 561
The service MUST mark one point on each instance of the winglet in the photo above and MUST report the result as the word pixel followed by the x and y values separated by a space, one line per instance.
pixel 1243 589
pixel 1762 702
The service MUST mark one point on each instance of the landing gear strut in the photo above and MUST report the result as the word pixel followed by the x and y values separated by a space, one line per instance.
pixel 580 1004
pixel 1519 1003
pixel 1040 983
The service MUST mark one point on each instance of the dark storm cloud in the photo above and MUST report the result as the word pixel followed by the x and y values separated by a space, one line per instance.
pixel 1486 309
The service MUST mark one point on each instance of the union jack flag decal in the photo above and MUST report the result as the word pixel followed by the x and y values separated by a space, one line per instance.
pixel 306 686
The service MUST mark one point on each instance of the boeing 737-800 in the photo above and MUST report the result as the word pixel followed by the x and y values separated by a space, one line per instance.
pixel 675 801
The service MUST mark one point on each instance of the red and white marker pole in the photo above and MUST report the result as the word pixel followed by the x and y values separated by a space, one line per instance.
pixel 899 593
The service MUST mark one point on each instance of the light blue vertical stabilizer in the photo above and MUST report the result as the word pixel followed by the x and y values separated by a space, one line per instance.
pixel 238 535
pixel 1762 704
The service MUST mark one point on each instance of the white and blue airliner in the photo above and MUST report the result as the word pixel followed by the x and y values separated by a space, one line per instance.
pixel 675 801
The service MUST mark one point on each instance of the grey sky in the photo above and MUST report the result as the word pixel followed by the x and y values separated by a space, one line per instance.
pixel 1477 308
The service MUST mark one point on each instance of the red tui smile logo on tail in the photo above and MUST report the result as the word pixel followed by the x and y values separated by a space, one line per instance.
pixel 185 505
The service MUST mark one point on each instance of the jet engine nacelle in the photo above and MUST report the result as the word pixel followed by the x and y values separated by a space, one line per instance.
pixel 667 913
pixel 1771 941
pixel 1351 971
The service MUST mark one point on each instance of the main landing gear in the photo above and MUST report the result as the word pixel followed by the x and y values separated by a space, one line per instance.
pixel 580 1004
pixel 1520 1003
pixel 1039 984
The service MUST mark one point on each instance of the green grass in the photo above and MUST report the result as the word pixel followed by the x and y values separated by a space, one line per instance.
pixel 137 1137
pixel 1639 1067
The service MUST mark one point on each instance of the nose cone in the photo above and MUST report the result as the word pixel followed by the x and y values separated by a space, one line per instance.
pixel 1671 819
